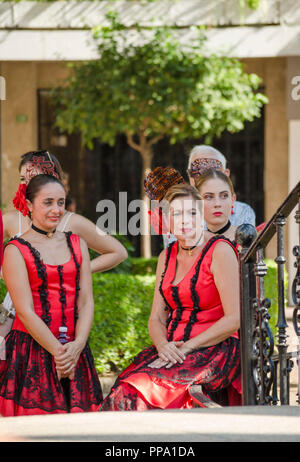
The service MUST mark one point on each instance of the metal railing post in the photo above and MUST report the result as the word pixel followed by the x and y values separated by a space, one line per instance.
pixel 296 294
pixel 259 364
pixel 245 235
pixel 263 339
pixel 281 321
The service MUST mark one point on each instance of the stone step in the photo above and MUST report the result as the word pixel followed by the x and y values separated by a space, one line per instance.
pixel 247 424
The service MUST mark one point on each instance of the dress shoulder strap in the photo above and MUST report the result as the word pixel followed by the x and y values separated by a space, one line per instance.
pixel 69 214
pixel 20 243
pixel 20 224
pixel 29 253
pixel 207 251
pixel 167 259
pixel 221 238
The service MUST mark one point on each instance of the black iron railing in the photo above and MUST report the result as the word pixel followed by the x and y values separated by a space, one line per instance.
pixel 262 370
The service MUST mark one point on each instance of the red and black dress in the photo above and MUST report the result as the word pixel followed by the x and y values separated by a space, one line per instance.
pixel 28 380
pixel 194 305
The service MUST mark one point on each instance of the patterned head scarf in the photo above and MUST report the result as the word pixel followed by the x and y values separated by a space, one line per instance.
pixel 200 166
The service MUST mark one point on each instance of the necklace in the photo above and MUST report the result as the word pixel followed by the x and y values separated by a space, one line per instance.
pixel 222 230
pixel 41 231
pixel 190 249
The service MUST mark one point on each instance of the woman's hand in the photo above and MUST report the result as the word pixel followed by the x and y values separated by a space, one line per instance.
pixel 169 351
pixel 169 354
pixel 66 361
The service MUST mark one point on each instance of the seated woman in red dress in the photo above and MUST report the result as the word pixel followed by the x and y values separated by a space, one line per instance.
pixel 48 366
pixel 195 359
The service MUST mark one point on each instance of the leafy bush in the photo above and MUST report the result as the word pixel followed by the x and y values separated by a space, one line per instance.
pixel 272 294
pixel 3 290
pixel 143 265
pixel 120 329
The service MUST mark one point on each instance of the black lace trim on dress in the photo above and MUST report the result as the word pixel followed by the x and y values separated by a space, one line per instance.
pixel 194 293
pixel 62 295
pixel 29 377
pixel 77 277
pixel 179 311
pixel 42 274
pixel 168 307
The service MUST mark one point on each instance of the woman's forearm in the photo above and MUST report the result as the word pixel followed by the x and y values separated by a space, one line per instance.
pixel 218 332
pixel 84 323
pixel 40 332
pixel 106 261
pixel 157 332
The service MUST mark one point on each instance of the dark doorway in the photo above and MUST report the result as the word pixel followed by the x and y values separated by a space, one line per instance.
pixel 65 147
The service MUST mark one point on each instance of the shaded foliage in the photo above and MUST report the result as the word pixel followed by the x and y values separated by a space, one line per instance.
pixel 147 84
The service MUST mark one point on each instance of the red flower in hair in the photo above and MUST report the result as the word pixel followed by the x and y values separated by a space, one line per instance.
pixel 157 221
pixel 20 200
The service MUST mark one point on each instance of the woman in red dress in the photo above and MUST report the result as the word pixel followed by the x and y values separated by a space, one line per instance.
pixel 49 278
pixel 111 251
pixel 195 359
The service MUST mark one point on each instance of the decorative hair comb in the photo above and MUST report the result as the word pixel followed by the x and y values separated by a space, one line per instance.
pixel 157 182
pixel 200 166
pixel 39 165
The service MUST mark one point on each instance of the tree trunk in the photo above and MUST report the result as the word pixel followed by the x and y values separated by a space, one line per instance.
pixel 147 155
pixel 144 147
pixel 82 177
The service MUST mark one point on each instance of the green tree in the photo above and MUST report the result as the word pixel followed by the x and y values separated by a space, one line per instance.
pixel 148 85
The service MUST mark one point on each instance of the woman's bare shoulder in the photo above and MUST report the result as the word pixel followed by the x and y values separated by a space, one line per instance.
pixel 161 259
pixel 223 249
pixel 224 258
pixel 10 215
pixel 79 224
pixel 12 252
pixel 10 224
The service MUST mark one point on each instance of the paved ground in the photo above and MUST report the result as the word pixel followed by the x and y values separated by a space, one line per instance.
pixel 248 424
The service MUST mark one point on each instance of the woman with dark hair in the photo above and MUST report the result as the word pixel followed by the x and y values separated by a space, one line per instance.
pixel 194 360
pixel 49 367
pixel 15 223
pixel 111 251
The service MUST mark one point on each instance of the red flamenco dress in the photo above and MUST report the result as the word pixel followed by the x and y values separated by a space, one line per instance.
pixel 194 305
pixel 28 380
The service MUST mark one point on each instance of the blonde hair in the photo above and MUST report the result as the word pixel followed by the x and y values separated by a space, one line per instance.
pixel 212 173
pixel 181 190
